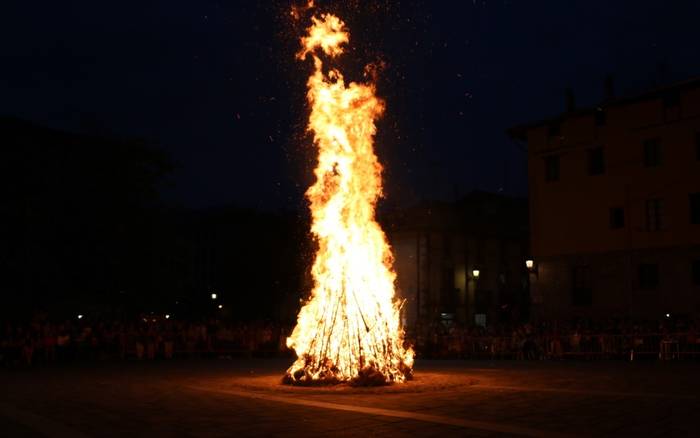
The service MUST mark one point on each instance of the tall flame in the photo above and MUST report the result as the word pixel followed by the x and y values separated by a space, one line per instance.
pixel 349 330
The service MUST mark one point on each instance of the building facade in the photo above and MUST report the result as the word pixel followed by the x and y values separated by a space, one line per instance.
pixel 615 206
pixel 461 261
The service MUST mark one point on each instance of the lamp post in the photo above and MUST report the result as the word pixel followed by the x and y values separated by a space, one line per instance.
pixel 531 267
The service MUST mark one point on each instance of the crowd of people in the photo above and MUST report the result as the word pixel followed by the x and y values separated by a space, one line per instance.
pixel 667 338
pixel 147 338
pixel 158 337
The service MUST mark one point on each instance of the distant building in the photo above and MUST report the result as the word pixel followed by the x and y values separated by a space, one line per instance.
pixel 615 206
pixel 439 247
pixel 254 261
pixel 75 211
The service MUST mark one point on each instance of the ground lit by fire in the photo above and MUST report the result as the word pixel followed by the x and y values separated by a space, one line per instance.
pixel 349 330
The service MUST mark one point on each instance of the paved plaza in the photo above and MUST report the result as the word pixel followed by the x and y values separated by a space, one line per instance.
pixel 237 398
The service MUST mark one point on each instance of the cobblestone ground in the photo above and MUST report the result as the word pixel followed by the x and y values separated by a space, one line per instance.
pixel 237 398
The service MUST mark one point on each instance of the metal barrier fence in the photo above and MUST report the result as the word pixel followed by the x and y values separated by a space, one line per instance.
pixel 584 346
pixel 673 346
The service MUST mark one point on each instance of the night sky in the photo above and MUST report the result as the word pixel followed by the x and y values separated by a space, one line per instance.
pixel 216 84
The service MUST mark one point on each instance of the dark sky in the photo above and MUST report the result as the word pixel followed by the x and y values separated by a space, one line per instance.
pixel 215 83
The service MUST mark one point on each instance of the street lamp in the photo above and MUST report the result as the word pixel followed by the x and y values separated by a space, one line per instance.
pixel 213 296
pixel 475 274
pixel 531 267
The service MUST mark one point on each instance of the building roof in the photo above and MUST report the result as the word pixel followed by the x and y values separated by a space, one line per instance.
pixel 519 132
pixel 479 213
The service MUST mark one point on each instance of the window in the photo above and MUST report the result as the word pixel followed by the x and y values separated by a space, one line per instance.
pixel 447 245
pixel 695 208
pixel 482 301
pixel 652 152
pixel 617 218
pixel 672 105
pixel 449 294
pixel 600 117
pixel 554 129
pixel 696 272
pixel 654 214
pixel 582 290
pixel 672 99
pixel 551 165
pixel 648 276
pixel 596 161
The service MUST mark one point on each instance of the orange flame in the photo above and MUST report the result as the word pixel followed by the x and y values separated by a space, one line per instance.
pixel 349 330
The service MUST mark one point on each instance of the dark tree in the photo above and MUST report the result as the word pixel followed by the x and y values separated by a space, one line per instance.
pixel 76 215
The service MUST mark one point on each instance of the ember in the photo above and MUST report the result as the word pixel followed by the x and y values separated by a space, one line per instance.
pixel 349 330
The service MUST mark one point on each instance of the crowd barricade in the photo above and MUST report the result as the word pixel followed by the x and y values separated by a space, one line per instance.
pixel 587 346
pixel 521 345
pixel 203 348
pixel 672 346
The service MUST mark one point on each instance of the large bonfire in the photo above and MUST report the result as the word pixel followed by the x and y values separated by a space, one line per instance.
pixel 349 330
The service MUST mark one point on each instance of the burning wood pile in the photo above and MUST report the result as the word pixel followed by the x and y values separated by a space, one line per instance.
pixel 349 330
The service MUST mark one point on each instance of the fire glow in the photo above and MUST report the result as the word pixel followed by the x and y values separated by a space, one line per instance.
pixel 349 330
